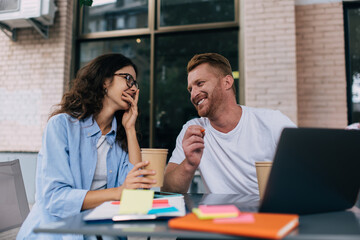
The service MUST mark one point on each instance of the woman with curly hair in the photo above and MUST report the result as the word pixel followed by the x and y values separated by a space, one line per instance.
pixel 90 151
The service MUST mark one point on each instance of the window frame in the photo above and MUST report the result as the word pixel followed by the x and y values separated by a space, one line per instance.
pixel 348 5
pixel 154 29
pixel 196 26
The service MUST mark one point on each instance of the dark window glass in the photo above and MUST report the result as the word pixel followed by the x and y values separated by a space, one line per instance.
pixel 180 12
pixel 172 106
pixel 138 50
pixel 115 15
pixel 353 63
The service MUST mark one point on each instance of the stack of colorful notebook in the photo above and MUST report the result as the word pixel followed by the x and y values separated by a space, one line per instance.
pixel 227 219
pixel 138 205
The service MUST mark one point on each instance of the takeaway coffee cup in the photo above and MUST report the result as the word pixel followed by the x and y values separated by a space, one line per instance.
pixel 262 171
pixel 157 161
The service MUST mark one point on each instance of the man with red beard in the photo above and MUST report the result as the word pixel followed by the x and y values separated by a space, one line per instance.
pixel 227 139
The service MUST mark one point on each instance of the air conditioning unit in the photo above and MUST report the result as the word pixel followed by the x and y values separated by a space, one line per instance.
pixel 27 13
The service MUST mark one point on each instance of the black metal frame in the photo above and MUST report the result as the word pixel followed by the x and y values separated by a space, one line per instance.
pixel 346 7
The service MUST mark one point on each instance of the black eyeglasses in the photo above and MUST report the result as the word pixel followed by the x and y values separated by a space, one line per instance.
pixel 130 81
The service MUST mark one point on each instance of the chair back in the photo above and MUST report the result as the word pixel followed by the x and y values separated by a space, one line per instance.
pixel 14 206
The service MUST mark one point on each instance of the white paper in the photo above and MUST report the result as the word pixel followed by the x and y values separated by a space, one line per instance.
pixel 107 210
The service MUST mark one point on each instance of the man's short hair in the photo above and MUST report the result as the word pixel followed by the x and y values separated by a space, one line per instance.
pixel 214 60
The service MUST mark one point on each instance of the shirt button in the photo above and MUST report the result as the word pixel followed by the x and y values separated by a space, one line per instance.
pixel 110 171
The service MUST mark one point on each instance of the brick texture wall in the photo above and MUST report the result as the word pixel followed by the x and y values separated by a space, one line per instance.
pixel 33 75
pixel 321 78
pixel 270 61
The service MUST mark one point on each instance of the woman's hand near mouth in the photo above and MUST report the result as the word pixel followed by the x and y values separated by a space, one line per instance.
pixel 130 115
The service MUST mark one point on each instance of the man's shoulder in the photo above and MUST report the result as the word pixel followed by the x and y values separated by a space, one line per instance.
pixel 267 116
pixel 261 111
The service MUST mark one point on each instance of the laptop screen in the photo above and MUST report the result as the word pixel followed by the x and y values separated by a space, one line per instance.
pixel 314 170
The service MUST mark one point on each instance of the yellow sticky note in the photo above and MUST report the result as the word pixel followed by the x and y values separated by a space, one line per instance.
pixel 136 201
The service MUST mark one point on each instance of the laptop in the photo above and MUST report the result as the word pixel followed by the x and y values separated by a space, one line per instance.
pixel 314 170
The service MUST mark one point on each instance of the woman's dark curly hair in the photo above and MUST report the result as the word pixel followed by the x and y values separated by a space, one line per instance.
pixel 87 93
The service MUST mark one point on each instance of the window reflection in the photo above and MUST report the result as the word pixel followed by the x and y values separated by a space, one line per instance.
pixel 354 62
pixel 109 15
pixel 138 50
pixel 172 105
pixel 355 89
pixel 174 12
pixel 8 6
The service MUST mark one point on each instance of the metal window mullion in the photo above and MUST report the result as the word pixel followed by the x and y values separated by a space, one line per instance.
pixel 152 70
pixel 158 5
pixel 80 10
pixel 237 8
pixel 116 33
pixel 196 27
pixel 241 51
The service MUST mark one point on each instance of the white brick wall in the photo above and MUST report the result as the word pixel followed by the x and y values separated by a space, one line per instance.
pixel 270 61
pixel 321 75
pixel 33 73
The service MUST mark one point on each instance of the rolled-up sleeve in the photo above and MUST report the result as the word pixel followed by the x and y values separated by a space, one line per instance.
pixel 61 198
pixel 178 155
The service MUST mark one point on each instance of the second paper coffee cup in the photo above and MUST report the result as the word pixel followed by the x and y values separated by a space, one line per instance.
pixel 262 171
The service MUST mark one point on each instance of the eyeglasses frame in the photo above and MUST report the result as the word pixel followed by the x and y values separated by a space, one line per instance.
pixel 130 81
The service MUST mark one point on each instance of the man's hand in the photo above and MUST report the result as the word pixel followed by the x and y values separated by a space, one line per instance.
pixel 193 144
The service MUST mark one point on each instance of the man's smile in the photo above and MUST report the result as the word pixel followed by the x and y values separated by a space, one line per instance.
pixel 201 101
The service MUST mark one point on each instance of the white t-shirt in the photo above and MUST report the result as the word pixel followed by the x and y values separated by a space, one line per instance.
pixel 228 161
pixel 100 175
